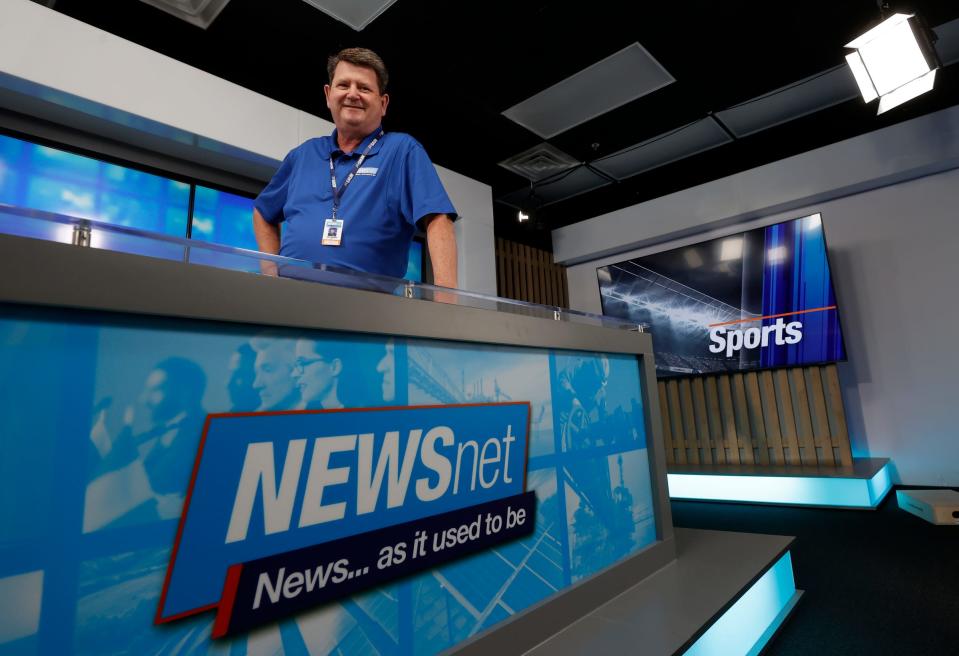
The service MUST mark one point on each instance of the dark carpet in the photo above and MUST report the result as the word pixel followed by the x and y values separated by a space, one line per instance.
pixel 876 582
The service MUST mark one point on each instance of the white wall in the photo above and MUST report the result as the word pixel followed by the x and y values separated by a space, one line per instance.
pixel 475 245
pixel 894 252
pixel 65 71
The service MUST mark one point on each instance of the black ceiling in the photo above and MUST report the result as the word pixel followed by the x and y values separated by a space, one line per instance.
pixel 455 66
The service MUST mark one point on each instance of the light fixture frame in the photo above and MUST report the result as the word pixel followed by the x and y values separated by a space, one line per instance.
pixel 924 40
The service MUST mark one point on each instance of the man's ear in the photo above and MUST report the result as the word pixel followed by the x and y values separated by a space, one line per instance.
pixel 386 101
pixel 336 366
pixel 326 92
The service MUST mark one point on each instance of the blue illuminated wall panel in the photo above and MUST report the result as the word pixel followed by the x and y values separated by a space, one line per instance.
pixel 223 218
pixel 43 178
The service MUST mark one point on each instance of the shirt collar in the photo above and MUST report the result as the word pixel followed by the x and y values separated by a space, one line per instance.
pixel 335 148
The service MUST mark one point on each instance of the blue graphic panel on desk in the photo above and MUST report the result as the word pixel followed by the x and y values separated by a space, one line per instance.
pixel 102 423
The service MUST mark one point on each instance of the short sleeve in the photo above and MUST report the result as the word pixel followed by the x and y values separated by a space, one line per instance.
pixel 423 192
pixel 271 200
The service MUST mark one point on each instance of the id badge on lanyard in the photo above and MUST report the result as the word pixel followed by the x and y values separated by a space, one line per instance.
pixel 332 232
pixel 333 227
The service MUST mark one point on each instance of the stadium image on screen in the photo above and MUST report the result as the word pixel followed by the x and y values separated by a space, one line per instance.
pixel 753 300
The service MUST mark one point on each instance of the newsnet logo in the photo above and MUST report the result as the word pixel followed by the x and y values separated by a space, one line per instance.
pixel 731 341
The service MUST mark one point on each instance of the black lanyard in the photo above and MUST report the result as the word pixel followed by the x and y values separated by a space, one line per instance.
pixel 338 191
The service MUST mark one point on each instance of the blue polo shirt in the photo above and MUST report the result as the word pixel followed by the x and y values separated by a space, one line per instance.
pixel 396 187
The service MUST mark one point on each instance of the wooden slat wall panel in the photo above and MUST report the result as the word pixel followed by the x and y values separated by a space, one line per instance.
pixel 526 253
pixel 541 276
pixel 689 422
pixel 669 447
pixel 551 273
pixel 787 416
pixel 547 278
pixel 529 274
pixel 787 419
pixel 756 422
pixel 836 413
pixel 534 289
pixel 807 444
pixel 820 422
pixel 727 415
pixel 717 437
pixel 676 417
pixel 702 423
pixel 516 278
pixel 774 436
pixel 512 289
pixel 500 266
pixel 529 283
pixel 565 288
pixel 743 433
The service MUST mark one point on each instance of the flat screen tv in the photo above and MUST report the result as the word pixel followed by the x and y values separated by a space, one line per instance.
pixel 752 300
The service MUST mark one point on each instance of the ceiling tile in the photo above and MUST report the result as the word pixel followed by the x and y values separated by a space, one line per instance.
pixel 355 13
pixel 948 44
pixel 690 139
pixel 560 187
pixel 610 83
pixel 793 101
pixel 197 12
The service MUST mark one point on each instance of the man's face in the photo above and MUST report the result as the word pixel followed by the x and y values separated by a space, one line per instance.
pixel 157 397
pixel 272 380
pixel 354 99
pixel 314 374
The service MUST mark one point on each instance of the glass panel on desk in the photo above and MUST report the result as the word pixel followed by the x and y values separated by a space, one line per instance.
pixel 107 236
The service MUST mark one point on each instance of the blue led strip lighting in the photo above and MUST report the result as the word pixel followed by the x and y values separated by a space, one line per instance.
pixel 755 617
pixel 784 490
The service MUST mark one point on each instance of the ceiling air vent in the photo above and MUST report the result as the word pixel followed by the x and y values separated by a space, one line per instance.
pixel 539 162
pixel 197 12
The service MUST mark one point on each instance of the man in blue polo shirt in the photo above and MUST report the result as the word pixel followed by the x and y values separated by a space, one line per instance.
pixel 354 198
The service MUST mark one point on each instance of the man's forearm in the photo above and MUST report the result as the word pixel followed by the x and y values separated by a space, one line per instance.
pixel 267 240
pixel 441 240
pixel 267 234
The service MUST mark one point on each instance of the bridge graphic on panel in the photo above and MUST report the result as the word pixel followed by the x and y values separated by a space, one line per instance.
pixel 435 381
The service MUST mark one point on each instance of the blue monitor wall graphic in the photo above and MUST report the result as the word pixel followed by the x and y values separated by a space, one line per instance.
pixel 223 218
pixel 757 299
pixel 54 180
